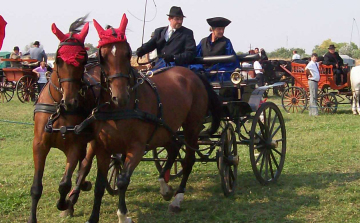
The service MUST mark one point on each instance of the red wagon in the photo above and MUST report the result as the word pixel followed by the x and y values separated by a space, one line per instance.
pixel 330 95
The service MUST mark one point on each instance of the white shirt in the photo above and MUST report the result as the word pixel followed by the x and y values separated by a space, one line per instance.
pixel 296 57
pixel 169 32
pixel 257 67
pixel 314 70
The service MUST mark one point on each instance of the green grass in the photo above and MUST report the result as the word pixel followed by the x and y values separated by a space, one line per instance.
pixel 319 183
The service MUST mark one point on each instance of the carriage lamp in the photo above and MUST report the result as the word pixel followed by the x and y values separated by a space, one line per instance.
pixel 236 76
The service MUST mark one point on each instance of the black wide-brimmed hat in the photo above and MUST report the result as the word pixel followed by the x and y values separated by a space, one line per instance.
pixel 331 46
pixel 176 12
pixel 218 22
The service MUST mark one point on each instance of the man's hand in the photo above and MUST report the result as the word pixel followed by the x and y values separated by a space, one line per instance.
pixel 140 52
pixel 169 58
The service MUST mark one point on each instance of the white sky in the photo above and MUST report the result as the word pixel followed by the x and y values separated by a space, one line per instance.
pixel 269 24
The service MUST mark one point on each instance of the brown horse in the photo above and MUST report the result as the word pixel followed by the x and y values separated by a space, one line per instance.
pixel 137 114
pixel 60 105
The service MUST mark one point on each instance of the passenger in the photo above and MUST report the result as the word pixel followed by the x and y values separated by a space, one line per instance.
pixel 174 43
pixel 295 56
pixel 333 58
pixel 16 54
pixel 41 74
pixel 37 53
pixel 263 56
pixel 217 44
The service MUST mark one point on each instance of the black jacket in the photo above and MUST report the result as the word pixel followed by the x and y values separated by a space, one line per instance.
pixel 181 44
pixel 333 59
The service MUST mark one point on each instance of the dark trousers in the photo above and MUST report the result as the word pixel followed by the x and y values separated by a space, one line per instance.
pixel 41 86
pixel 338 73
pixel 260 79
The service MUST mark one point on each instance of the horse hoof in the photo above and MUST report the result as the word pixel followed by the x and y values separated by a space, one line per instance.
pixel 67 213
pixel 63 206
pixel 174 209
pixel 169 194
pixel 86 186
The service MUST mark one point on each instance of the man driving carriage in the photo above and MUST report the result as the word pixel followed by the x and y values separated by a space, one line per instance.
pixel 175 43
pixel 334 59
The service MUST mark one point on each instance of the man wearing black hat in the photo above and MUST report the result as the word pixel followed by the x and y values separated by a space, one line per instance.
pixel 333 58
pixel 216 44
pixel 37 53
pixel 174 43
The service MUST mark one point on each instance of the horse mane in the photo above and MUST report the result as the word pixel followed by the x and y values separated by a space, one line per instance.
pixel 77 25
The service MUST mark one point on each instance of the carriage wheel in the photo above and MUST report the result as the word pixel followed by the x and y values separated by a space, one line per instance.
pixel 7 89
pixel 328 103
pixel 267 143
pixel 176 169
pixel 228 160
pixel 27 89
pixel 279 90
pixel 115 167
pixel 294 99
pixel 243 128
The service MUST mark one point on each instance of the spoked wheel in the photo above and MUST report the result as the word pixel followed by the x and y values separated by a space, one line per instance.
pixel 7 89
pixel 294 99
pixel 176 169
pixel 228 160
pixel 243 128
pixel 279 90
pixel 115 167
pixel 328 103
pixel 267 143
pixel 27 89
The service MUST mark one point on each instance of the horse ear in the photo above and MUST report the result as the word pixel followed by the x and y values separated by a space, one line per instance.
pixel 98 27
pixel 57 32
pixel 123 24
pixel 84 32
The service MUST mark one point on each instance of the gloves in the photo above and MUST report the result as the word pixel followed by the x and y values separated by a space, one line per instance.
pixel 169 58
pixel 140 52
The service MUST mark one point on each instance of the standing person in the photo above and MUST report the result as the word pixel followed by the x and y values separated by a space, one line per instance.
pixel 37 53
pixel 16 54
pixel 295 56
pixel 334 59
pixel 313 74
pixel 259 72
pixel 41 73
pixel 174 43
pixel 216 44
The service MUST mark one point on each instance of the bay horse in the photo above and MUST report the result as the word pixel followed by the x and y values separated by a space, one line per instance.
pixel 138 113
pixel 355 88
pixel 60 105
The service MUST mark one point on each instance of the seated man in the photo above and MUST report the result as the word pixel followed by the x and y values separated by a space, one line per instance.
pixel 16 54
pixel 217 44
pixel 333 58
pixel 174 43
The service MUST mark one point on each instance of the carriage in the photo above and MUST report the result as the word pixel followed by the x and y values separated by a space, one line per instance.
pixel 330 95
pixel 247 120
pixel 20 80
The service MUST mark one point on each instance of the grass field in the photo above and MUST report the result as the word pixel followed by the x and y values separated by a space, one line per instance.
pixel 319 183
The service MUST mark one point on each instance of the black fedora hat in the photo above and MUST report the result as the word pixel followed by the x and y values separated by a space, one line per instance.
pixel 331 46
pixel 176 12
pixel 218 22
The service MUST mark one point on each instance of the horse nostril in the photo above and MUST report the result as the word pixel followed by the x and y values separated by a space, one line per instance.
pixel 62 101
pixel 114 98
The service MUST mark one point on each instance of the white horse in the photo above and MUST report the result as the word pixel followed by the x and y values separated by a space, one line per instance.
pixel 355 87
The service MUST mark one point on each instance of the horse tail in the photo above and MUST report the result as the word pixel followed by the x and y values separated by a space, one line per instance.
pixel 214 105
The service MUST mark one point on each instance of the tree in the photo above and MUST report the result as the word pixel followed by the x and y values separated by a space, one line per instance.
pixel 91 49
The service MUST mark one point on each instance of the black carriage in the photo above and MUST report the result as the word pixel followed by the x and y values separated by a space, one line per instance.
pixel 247 120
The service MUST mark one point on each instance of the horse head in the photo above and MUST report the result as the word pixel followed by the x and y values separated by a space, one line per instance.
pixel 70 61
pixel 114 57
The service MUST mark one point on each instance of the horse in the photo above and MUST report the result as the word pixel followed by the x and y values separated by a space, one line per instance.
pixel 60 105
pixel 355 87
pixel 137 113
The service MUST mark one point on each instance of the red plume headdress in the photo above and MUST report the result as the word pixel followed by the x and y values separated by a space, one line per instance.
pixel 69 53
pixel 111 35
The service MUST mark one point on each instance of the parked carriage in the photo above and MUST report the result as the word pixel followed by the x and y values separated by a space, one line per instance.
pixel 246 121
pixel 330 95
pixel 20 80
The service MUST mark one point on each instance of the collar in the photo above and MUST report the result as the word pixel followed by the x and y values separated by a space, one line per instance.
pixel 170 28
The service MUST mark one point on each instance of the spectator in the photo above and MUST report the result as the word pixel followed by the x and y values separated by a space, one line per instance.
pixel 41 74
pixel 37 53
pixel 313 74
pixel 334 59
pixel 16 54
pixel 259 72
pixel 174 43
pixel 295 56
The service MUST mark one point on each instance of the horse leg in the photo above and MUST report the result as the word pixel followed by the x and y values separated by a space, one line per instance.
pixel 40 153
pixel 354 102
pixel 357 99
pixel 103 161
pixel 165 190
pixel 123 182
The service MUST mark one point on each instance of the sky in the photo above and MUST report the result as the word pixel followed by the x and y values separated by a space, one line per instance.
pixel 268 24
